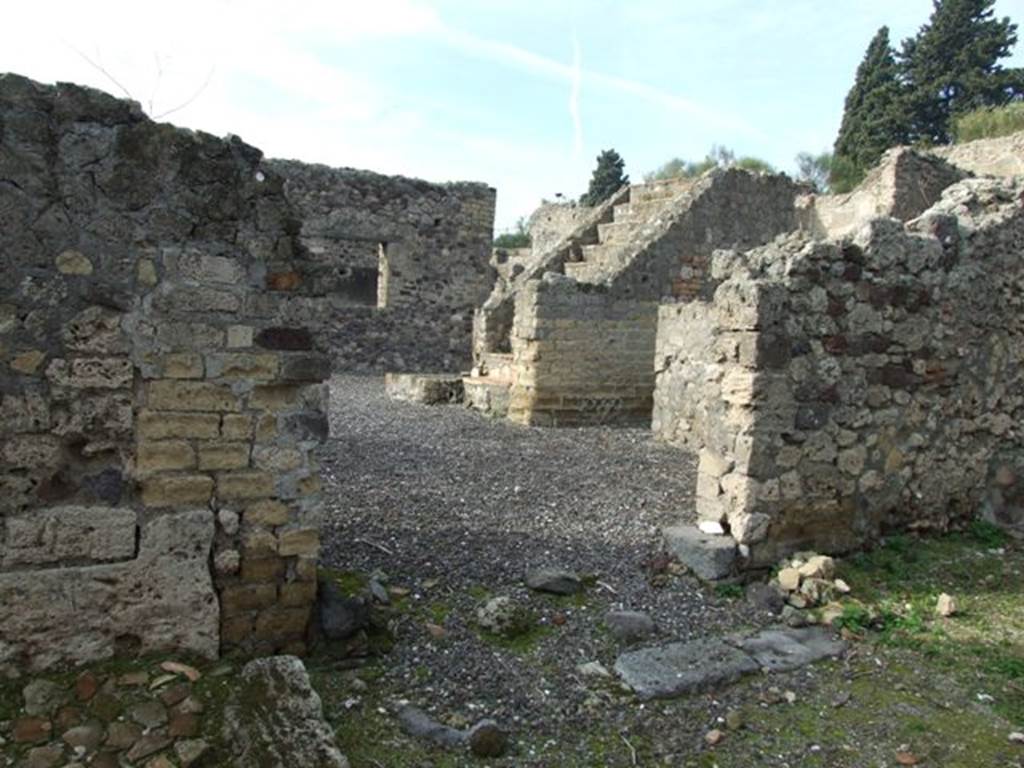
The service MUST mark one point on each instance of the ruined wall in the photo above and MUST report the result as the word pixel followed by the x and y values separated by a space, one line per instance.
pixel 404 263
pixel 553 222
pixel 159 399
pixel 581 355
pixel 838 389
pixel 987 157
pixel 903 185
pixel 724 209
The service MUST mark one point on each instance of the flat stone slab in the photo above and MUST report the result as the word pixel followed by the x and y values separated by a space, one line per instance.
pixel 426 388
pixel 678 669
pixel 780 649
pixel 709 556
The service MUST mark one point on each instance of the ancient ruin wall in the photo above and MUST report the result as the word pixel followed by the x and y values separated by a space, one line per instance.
pixel 903 185
pixel 403 261
pixel 159 396
pixel 1003 156
pixel 581 355
pixel 839 389
pixel 553 222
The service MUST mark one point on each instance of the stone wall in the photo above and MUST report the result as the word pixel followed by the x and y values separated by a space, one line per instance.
pixel 403 262
pixel 160 389
pixel 838 389
pixel 987 157
pixel 903 185
pixel 553 222
pixel 581 355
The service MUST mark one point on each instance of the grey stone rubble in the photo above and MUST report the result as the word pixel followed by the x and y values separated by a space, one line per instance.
pixel 485 739
pixel 557 581
pixel 710 557
pixel 683 668
pixel 275 719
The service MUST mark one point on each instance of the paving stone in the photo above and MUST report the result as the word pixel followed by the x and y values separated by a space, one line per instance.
pixel 122 735
pixel 43 757
pixel 782 649
pixel 191 751
pixel 557 581
pixel 86 686
pixel 149 744
pixel 88 736
pixel 43 697
pixel 184 724
pixel 31 730
pixel 710 557
pixel 629 626
pixel 148 714
pixel 678 669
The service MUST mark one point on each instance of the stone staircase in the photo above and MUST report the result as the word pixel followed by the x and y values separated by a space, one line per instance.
pixel 601 251
pixel 612 251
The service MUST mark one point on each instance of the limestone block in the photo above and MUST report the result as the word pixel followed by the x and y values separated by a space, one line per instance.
pixel 245 485
pixel 240 598
pixel 163 455
pixel 239 336
pixel 176 490
pixel 145 273
pixel 266 513
pixel 202 268
pixel 298 541
pixel 277 459
pixel 176 395
pixel 28 362
pixel 24 412
pixel 242 365
pixel 164 598
pixel 236 426
pixel 158 425
pixel 96 330
pixel 182 365
pixel 50 536
pixel 223 455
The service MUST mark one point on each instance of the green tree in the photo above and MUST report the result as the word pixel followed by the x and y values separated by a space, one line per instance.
pixel 952 66
pixel 518 237
pixel 717 157
pixel 874 116
pixel 814 169
pixel 608 177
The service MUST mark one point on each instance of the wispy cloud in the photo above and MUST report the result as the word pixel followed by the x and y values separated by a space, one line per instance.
pixel 538 64
pixel 574 97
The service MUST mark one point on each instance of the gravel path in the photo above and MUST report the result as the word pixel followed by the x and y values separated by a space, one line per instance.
pixel 455 507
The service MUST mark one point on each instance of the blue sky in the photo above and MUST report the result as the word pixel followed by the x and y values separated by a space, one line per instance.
pixel 522 95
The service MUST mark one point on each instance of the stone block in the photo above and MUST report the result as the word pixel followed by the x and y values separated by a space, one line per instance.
pixel 164 455
pixel 266 513
pixel 223 455
pixel 242 365
pixel 245 485
pixel 91 373
pixel 298 541
pixel 176 395
pixel 164 598
pixel 240 598
pixel 277 459
pixel 177 490
pixel 298 593
pixel 709 557
pixel 305 367
pixel 680 669
pixel 28 362
pixel 159 425
pixel 259 544
pixel 182 365
pixel 239 336
pixel 202 268
pixel 281 622
pixel 34 452
pixel 275 397
pixel 268 569
pixel 236 426
pixel 73 533
pixel 73 262
pixel 236 629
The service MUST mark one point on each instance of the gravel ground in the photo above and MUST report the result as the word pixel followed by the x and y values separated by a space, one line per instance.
pixel 455 507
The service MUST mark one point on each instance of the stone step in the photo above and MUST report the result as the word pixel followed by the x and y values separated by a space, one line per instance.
pixel 709 556
pixel 638 212
pixel 615 231
pixel 487 395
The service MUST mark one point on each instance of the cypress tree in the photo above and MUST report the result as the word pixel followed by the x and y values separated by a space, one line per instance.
pixel 952 66
pixel 607 178
pixel 874 117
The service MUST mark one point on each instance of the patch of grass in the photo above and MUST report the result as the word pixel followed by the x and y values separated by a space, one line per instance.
pixel 729 591
pixel 523 643
pixel 351 583
pixel 989 123
pixel 479 592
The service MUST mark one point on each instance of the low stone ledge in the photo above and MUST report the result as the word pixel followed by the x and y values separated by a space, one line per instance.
pixel 426 388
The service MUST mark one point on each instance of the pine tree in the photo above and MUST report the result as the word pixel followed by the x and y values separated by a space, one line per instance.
pixel 874 116
pixel 952 66
pixel 608 177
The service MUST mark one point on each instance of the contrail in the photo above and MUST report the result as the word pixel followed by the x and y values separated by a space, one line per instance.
pixel 574 96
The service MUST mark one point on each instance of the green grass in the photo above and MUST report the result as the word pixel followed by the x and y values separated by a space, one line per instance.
pixel 989 123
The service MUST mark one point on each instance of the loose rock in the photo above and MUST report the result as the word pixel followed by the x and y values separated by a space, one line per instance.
pixel 557 581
